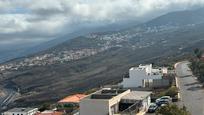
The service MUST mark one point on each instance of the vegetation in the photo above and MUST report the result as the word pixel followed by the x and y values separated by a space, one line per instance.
pixel 198 53
pixel 101 69
pixel 172 91
pixel 45 106
pixel 197 65
pixel 172 109
pixel 67 107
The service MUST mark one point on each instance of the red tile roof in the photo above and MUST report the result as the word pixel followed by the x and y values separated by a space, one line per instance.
pixel 73 98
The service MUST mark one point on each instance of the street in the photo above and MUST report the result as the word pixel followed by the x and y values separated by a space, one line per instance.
pixel 8 98
pixel 191 91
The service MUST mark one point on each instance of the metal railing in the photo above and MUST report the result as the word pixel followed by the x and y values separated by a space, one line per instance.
pixel 132 110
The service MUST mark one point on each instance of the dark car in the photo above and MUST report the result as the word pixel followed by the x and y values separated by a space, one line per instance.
pixel 152 108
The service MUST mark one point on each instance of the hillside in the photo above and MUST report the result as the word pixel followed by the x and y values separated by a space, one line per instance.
pixel 12 52
pixel 178 18
pixel 97 59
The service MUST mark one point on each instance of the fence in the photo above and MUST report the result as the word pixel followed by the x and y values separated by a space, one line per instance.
pixel 133 109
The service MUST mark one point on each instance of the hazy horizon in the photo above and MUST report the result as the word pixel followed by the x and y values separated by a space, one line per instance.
pixel 36 21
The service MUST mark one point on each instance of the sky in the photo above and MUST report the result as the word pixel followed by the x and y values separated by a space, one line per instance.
pixel 35 21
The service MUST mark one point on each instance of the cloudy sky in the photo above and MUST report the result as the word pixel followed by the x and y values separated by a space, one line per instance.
pixel 31 21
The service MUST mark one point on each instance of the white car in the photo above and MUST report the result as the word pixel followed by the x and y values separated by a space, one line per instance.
pixel 164 98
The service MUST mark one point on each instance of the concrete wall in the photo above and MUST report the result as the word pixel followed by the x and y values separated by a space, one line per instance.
pixel 156 83
pixel 114 102
pixel 101 106
pixel 136 77
pixel 146 102
pixel 32 112
pixel 94 107
pixel 15 113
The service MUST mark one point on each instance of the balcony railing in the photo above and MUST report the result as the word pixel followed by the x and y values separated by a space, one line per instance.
pixel 132 110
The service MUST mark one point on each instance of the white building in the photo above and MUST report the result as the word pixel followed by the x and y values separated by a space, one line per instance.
pixel 21 111
pixel 114 101
pixel 141 74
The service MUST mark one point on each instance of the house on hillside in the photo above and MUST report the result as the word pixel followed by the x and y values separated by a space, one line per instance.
pixel 109 101
pixel 72 99
pixel 70 104
pixel 21 111
pixel 145 76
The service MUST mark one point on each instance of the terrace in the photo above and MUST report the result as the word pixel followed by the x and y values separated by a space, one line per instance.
pixel 106 93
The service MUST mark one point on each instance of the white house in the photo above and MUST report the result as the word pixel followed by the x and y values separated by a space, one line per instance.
pixel 114 101
pixel 141 74
pixel 21 111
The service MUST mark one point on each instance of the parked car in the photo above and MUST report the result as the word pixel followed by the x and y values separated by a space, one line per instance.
pixel 162 101
pixel 167 98
pixel 152 108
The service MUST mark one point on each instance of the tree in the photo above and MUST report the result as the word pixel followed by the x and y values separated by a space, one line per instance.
pixel 172 109
pixel 197 65
pixel 197 68
pixel 172 91
pixel 198 53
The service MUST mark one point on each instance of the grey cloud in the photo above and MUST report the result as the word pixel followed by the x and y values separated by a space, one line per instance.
pixel 47 19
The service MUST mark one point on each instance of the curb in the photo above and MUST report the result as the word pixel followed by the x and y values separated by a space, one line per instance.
pixel 176 79
pixel 179 95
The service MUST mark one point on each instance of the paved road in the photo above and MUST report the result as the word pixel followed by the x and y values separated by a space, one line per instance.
pixel 192 94
pixel 9 97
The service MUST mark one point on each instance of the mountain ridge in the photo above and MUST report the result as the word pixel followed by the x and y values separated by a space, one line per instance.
pixel 178 18
pixel 98 58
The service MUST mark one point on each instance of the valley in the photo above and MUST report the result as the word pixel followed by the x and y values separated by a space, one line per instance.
pixel 97 59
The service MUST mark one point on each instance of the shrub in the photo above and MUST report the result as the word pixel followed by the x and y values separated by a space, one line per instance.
pixel 172 110
pixel 172 91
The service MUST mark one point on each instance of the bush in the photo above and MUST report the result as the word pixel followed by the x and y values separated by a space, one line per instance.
pixel 197 68
pixel 172 91
pixel 68 106
pixel 172 110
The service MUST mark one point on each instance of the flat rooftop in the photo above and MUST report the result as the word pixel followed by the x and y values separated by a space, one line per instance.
pixel 50 112
pixel 106 93
pixel 148 69
pixel 20 109
pixel 136 95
